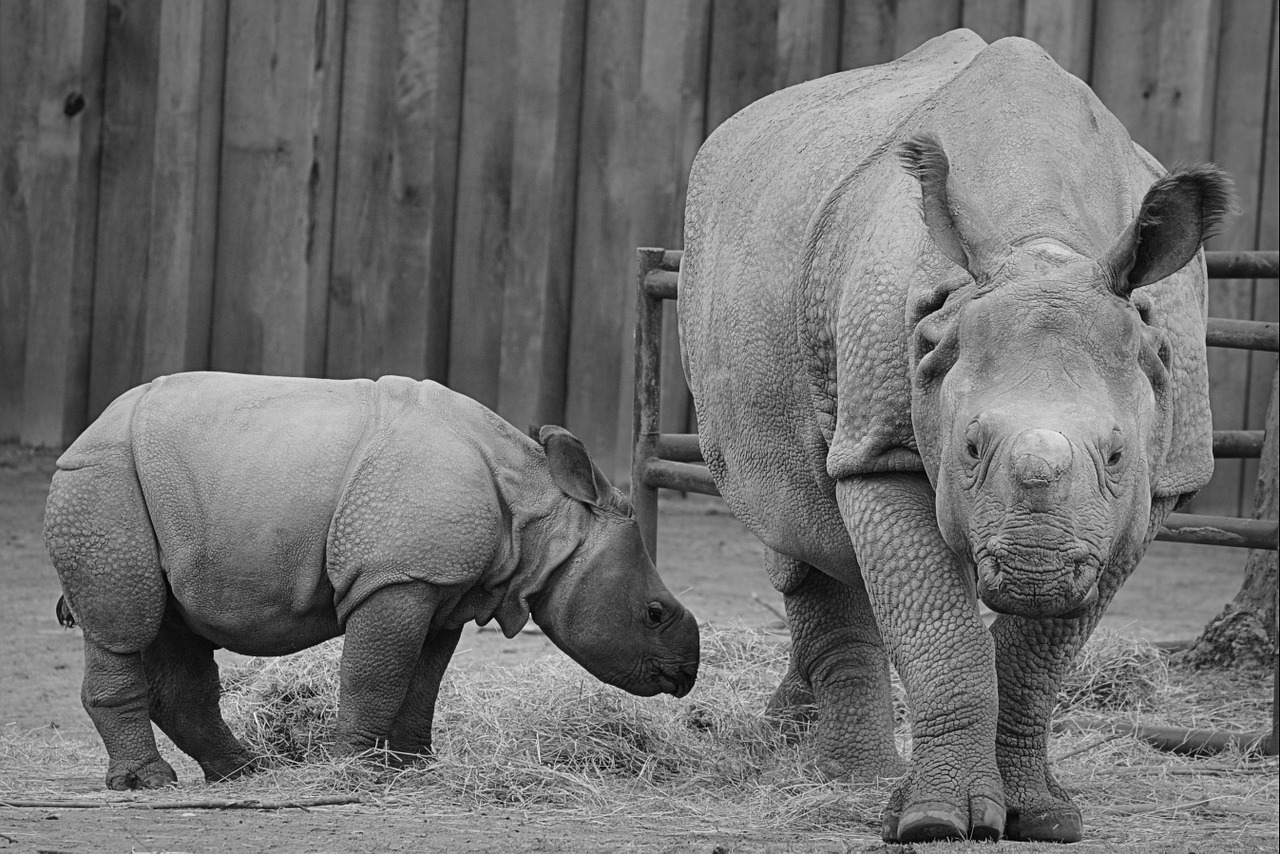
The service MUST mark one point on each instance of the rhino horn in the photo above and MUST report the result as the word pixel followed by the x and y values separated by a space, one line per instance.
pixel 1178 214
pixel 959 228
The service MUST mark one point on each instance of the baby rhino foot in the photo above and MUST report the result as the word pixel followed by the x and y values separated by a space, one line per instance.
pixel 1049 821
pixel 229 768
pixel 982 818
pixel 155 774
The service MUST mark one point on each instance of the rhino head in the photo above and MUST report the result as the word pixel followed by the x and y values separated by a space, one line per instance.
pixel 1042 394
pixel 606 608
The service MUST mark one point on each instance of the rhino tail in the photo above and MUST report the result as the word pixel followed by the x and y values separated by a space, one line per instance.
pixel 65 617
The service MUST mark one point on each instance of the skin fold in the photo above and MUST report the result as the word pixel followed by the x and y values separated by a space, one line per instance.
pixel 268 514
pixel 944 326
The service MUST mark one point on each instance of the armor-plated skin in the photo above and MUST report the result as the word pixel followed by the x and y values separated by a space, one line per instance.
pixel 944 326
pixel 268 514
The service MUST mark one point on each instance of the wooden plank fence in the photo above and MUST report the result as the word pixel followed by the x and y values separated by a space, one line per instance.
pixel 453 189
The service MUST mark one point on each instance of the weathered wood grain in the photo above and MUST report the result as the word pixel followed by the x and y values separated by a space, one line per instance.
pixel 124 199
pixel 184 187
pixel 61 172
pixel 276 185
pixel 18 93
pixel 993 19
pixel 394 201
pixel 480 248
pixel 808 40
pixel 534 342
pixel 1064 28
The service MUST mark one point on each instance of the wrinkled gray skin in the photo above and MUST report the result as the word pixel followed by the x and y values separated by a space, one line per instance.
pixel 945 333
pixel 269 514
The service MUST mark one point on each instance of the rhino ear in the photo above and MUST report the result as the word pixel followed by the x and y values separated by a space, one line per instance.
pixel 571 467
pixel 1178 214
pixel 957 226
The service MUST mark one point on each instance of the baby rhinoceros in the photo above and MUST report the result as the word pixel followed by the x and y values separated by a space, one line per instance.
pixel 268 514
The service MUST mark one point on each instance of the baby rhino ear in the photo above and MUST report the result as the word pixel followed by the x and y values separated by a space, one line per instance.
pixel 571 467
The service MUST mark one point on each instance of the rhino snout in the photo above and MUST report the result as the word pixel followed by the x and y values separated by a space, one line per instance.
pixel 1037 582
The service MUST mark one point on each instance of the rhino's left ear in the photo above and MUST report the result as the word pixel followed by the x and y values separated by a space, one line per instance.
pixel 571 467
pixel 1179 213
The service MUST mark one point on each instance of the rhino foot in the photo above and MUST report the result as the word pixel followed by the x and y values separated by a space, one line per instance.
pixel 1057 821
pixel 231 768
pixel 155 774
pixel 935 820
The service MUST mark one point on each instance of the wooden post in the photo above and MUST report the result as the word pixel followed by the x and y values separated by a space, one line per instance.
pixel 275 202
pixel 648 401
pixel 60 175
pixel 394 208
pixel 1064 28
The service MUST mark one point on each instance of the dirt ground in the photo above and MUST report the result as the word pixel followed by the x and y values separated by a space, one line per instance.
pixel 706 558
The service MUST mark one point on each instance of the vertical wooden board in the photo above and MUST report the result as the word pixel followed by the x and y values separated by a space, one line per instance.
pixel 672 108
pixel 276 186
pixel 1262 366
pixel 867 32
pixel 480 245
pixel 62 174
pixel 124 199
pixel 993 19
pixel 743 61
pixel 917 21
pixel 604 241
pixel 184 187
pixel 1239 131
pixel 1154 66
pixel 808 40
pixel 18 29
pixel 393 215
pixel 535 315
pixel 1064 28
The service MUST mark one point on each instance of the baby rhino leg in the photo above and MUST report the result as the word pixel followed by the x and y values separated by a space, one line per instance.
pixel 183 680
pixel 411 732
pixel 384 642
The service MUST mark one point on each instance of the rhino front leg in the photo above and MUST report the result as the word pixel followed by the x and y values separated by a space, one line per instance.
pixel 183 679
pixel 411 732
pixel 838 664
pixel 384 642
pixel 926 611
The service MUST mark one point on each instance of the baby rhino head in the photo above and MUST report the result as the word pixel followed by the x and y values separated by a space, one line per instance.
pixel 606 607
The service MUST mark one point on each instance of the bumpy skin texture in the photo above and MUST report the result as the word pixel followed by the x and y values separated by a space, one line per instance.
pixel 268 514
pixel 944 326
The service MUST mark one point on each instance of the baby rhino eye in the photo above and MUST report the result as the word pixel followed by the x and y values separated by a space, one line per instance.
pixel 1114 448
pixel 657 612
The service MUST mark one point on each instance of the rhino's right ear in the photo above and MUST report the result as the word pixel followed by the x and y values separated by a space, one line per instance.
pixel 957 226
pixel 571 467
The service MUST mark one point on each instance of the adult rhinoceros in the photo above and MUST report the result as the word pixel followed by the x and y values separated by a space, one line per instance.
pixel 944 326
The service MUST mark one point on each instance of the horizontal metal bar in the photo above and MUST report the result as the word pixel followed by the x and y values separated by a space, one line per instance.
pixel 683 447
pixel 1219 531
pixel 661 284
pixel 686 477
pixel 1219 264
pixel 1238 444
pixel 1242 334
pixel 1245 264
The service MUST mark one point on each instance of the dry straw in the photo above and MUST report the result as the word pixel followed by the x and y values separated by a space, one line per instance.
pixel 545 740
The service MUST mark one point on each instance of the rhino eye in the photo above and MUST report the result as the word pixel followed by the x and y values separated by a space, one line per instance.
pixel 657 612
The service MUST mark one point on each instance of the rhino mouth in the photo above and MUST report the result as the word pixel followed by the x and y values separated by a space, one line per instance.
pixel 1030 583
pixel 676 680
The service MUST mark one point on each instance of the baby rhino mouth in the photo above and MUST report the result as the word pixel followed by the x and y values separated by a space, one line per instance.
pixel 1029 580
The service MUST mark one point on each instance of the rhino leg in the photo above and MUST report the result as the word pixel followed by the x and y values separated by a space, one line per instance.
pixel 411 732
pixel 183 680
pixel 101 542
pixel 925 607
pixel 838 663
pixel 385 639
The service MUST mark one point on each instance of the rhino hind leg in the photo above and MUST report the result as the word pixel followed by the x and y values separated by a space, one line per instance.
pixel 182 678
pixel 101 542
pixel 410 737
pixel 385 639
pixel 838 666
